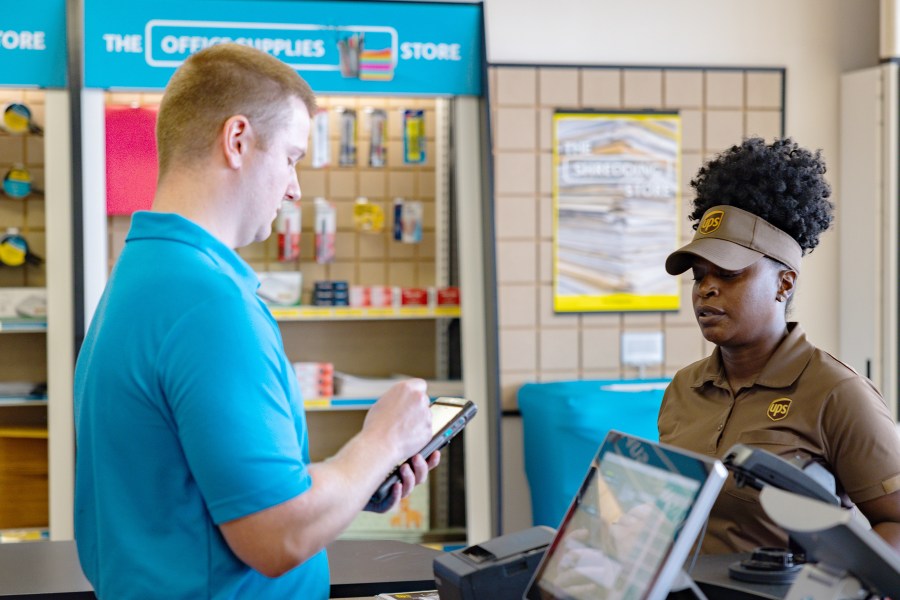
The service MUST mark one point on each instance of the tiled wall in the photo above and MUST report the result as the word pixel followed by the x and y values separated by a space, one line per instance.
pixel 361 258
pixel 718 108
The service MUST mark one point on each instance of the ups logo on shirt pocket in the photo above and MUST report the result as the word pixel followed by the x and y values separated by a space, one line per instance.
pixel 779 409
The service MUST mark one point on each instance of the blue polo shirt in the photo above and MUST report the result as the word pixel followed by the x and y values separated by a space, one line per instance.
pixel 187 415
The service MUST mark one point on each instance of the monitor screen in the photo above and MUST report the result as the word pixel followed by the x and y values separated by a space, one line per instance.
pixel 630 527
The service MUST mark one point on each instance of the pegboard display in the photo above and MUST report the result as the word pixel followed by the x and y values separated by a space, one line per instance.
pixel 26 214
pixel 361 258
pixel 23 414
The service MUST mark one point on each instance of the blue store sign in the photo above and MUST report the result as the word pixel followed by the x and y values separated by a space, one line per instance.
pixel 33 45
pixel 338 47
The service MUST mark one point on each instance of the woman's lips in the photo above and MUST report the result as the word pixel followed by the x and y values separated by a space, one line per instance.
pixel 707 314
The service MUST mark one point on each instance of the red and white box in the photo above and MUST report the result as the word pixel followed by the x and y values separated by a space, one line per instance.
pixel 381 296
pixel 359 296
pixel 447 296
pixel 413 297
pixel 316 379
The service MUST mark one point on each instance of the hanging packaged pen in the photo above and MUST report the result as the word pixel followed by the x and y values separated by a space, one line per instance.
pixel 321 155
pixel 348 138
pixel 326 230
pixel 413 136
pixel 368 217
pixel 378 138
pixel 287 224
pixel 407 221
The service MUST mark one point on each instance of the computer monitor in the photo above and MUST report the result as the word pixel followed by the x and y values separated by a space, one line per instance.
pixel 631 525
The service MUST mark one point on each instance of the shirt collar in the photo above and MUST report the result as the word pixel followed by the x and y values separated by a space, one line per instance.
pixel 173 227
pixel 783 368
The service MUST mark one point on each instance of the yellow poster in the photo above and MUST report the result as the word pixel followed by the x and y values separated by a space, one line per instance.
pixel 616 210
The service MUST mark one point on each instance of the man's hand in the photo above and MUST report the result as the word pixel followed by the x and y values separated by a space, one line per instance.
pixel 400 420
pixel 412 473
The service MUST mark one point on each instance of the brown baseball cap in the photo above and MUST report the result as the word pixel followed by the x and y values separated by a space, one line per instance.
pixel 734 239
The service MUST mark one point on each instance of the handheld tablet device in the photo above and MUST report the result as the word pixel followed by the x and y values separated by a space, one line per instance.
pixel 448 417
pixel 631 525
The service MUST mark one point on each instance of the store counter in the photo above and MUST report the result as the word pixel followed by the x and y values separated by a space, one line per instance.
pixel 50 570
pixel 359 569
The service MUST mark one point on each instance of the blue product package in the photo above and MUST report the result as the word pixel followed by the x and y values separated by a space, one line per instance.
pixel 17 182
pixel 564 424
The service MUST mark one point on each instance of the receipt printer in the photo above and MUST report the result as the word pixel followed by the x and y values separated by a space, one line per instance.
pixel 498 569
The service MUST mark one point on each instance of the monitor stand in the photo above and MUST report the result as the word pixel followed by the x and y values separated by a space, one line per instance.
pixel 684 588
pixel 821 581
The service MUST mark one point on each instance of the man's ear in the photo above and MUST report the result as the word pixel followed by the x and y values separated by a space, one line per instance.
pixel 236 136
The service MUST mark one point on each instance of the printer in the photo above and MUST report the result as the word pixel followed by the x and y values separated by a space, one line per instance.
pixel 498 569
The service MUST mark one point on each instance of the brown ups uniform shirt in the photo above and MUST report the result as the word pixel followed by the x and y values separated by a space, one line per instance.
pixel 805 402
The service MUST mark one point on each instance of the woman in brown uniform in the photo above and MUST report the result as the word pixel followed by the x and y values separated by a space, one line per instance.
pixel 758 209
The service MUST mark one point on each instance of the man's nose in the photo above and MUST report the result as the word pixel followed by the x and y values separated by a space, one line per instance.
pixel 293 189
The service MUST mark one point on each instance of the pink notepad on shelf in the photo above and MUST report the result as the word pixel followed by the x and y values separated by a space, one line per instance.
pixel 131 165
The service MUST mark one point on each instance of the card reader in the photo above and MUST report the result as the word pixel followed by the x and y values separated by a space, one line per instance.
pixel 499 569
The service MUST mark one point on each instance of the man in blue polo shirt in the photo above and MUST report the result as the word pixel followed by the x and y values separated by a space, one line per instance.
pixel 193 477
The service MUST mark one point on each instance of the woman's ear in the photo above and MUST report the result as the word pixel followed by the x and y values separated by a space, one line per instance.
pixel 787 279
pixel 236 133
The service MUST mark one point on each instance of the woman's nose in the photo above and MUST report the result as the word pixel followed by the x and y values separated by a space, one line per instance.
pixel 705 288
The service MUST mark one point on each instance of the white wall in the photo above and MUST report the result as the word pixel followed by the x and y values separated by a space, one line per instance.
pixel 815 40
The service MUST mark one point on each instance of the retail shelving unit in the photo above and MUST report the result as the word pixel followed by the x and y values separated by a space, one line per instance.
pixel 369 342
pixel 36 461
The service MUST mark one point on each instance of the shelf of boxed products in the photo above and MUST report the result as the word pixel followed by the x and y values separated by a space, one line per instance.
pixel 325 389
pixel 338 301
pixel 22 325
pixel 5 402
pixel 347 403
pixel 366 313
pixel 23 309
pixel 23 393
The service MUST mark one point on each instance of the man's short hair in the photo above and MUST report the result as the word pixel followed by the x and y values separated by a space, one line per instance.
pixel 216 84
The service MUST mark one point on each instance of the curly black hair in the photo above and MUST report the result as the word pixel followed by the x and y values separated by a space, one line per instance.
pixel 781 183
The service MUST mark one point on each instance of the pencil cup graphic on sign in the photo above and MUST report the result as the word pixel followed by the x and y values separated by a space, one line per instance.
pixel 349 49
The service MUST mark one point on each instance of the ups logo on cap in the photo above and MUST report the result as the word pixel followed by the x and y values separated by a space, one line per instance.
pixel 712 221
pixel 779 409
